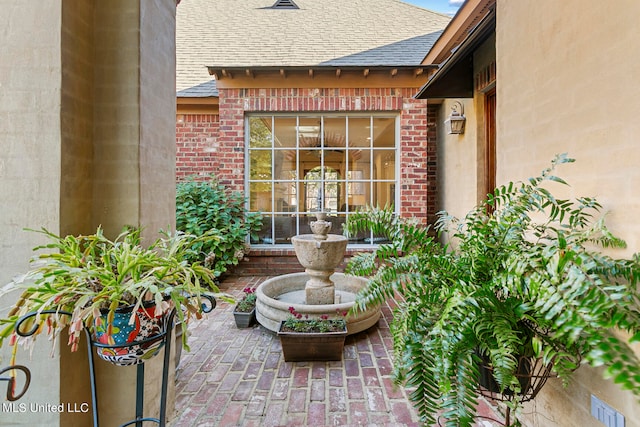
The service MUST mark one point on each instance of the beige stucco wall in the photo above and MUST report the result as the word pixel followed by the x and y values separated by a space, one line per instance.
pixel 76 116
pixel 567 82
pixel 30 84
pixel 76 134
pixel 117 113
pixel 87 129
pixel 457 162
pixel 157 134
pixel 461 157
pixel 29 127
pixel 134 145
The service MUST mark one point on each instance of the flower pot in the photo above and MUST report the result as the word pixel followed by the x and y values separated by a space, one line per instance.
pixel 310 346
pixel 244 319
pixel 130 343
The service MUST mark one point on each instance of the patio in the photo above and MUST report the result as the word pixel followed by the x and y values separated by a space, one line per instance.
pixel 237 377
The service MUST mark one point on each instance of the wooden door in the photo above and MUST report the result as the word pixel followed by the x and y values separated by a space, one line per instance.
pixel 490 142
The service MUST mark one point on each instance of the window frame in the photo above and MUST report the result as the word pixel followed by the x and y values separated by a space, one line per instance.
pixel 299 179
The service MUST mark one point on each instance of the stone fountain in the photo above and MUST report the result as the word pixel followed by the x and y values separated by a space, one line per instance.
pixel 319 290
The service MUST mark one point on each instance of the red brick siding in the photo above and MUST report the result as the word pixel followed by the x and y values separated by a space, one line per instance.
pixel 274 262
pixel 196 144
pixel 208 144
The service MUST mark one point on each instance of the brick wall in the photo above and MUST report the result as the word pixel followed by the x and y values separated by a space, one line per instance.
pixel 208 143
pixel 212 144
pixel 274 262
pixel 196 144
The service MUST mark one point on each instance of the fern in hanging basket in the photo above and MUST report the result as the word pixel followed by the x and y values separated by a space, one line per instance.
pixel 522 275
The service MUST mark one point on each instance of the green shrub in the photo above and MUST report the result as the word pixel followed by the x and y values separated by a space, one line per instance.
pixel 207 207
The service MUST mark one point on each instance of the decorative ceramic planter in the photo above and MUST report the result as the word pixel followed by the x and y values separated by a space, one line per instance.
pixel 133 341
pixel 310 346
pixel 244 319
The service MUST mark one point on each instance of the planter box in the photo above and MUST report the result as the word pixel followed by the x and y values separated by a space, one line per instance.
pixel 310 346
pixel 244 319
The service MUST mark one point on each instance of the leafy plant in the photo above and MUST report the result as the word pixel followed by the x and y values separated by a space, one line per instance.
pixel 207 208
pixel 296 322
pixel 248 301
pixel 91 275
pixel 522 275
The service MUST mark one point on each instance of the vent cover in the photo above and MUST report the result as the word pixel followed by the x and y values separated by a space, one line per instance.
pixel 284 4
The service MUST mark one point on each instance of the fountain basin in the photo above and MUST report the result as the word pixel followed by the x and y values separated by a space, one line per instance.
pixel 321 255
pixel 274 297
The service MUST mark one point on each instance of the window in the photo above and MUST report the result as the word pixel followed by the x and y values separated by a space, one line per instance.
pixel 297 165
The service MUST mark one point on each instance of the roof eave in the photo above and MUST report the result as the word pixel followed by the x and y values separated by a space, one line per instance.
pixel 454 77
pixel 222 72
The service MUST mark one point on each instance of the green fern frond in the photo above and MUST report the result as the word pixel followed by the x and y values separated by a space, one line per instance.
pixel 526 278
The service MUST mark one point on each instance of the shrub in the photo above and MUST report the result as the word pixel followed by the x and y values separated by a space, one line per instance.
pixel 207 207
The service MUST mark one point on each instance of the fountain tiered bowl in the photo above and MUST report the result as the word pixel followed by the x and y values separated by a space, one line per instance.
pixel 319 290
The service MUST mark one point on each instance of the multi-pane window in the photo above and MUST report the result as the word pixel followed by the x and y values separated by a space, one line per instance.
pixel 298 165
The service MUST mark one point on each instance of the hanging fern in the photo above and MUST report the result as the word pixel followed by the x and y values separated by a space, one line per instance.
pixel 528 279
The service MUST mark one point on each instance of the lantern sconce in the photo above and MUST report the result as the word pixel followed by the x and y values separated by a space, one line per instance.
pixel 455 123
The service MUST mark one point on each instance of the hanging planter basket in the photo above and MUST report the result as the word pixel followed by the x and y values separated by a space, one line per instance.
pixel 131 338
pixel 532 374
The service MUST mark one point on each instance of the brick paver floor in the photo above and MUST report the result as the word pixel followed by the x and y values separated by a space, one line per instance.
pixel 238 377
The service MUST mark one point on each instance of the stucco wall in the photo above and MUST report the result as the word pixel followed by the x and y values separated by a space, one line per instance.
pixel 30 82
pixel 461 169
pixel 157 148
pixel 457 162
pixel 29 127
pixel 76 117
pixel 87 111
pixel 157 132
pixel 134 153
pixel 117 130
pixel 76 123
pixel 567 82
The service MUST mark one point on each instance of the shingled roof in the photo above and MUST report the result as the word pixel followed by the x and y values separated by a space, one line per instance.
pixel 252 33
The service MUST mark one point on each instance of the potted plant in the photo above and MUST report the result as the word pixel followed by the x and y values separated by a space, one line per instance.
pixel 115 288
pixel 522 277
pixel 244 312
pixel 305 338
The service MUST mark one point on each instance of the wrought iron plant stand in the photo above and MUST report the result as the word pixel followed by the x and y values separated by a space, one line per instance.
pixel 165 336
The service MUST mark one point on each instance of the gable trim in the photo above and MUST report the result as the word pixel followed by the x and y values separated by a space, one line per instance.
pixel 454 78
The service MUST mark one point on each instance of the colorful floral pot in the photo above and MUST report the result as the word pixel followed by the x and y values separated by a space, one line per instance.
pixel 124 333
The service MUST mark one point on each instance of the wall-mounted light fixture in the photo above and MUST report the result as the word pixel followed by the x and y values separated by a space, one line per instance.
pixel 455 123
